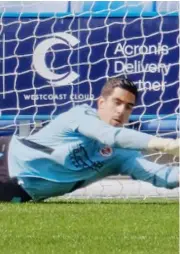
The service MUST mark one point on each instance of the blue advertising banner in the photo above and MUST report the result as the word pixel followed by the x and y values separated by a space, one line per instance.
pixel 48 65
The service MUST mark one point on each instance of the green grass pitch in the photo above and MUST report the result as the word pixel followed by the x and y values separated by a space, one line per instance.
pixel 126 227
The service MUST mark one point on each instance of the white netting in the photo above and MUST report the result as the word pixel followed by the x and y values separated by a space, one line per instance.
pixel 54 56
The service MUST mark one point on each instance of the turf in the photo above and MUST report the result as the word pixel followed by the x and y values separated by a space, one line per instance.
pixel 90 227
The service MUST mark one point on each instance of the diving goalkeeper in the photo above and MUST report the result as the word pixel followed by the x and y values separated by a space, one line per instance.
pixel 82 146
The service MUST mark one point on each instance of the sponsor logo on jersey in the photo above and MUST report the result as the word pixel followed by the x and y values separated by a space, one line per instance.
pixel 106 151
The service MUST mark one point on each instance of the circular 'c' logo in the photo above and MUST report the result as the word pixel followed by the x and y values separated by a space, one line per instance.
pixel 39 61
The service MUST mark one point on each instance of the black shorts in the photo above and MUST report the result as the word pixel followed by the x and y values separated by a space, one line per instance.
pixel 10 190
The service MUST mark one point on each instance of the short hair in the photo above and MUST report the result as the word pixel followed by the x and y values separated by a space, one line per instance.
pixel 121 82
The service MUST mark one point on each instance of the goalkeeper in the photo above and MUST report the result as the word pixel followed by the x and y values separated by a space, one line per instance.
pixel 82 146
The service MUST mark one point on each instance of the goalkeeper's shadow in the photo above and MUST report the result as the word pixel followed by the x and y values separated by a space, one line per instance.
pixel 163 201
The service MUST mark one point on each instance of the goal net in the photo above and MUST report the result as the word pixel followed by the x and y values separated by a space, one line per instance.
pixel 55 56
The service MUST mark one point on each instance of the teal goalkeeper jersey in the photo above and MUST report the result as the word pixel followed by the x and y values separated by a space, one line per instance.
pixel 81 149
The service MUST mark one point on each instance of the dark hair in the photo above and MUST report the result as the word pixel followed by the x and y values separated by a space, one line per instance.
pixel 121 82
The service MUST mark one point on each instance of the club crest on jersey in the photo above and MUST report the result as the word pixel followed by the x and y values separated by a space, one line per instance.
pixel 106 151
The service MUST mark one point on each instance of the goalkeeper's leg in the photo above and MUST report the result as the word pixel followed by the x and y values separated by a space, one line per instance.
pixel 10 190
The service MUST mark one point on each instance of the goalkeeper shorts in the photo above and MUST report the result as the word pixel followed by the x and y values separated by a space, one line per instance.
pixel 10 190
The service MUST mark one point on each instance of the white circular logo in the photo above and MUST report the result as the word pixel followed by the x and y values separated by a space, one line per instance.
pixel 39 61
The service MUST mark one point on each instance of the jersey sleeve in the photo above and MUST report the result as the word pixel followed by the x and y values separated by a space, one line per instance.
pixel 89 125
pixel 139 168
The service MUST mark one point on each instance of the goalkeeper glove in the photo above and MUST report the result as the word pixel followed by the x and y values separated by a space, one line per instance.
pixel 165 145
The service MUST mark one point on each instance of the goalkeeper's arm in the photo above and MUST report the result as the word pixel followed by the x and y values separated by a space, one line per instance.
pixel 139 168
pixel 88 124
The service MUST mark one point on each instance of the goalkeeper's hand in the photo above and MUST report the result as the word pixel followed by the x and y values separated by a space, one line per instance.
pixel 165 145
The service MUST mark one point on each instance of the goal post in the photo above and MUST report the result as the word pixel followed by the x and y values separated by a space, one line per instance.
pixel 53 60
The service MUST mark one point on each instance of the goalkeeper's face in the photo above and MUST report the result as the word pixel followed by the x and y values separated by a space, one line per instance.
pixel 116 108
